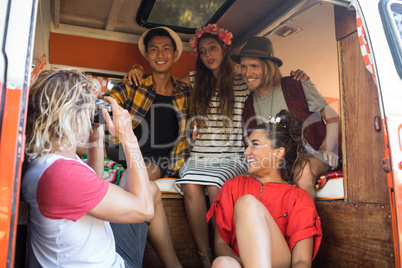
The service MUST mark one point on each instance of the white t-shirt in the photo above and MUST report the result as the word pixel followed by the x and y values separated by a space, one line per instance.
pixel 61 191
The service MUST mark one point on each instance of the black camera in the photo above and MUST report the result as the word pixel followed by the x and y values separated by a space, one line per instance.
pixel 99 105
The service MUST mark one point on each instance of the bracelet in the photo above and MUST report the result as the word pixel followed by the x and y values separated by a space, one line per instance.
pixel 137 66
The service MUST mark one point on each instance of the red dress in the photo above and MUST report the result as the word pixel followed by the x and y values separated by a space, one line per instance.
pixel 292 208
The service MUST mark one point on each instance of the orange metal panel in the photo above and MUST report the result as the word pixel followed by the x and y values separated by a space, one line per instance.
pixel 103 54
pixel 394 177
pixel 391 197
pixel 397 180
pixel 9 174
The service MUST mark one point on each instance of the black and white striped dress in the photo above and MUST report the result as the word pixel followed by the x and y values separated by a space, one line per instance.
pixel 217 153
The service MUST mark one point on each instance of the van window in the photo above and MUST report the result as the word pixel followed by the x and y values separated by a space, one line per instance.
pixel 181 15
pixel 391 15
pixel 396 9
pixel 106 81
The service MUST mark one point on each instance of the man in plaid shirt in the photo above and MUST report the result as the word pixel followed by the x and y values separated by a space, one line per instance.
pixel 158 106
pixel 159 112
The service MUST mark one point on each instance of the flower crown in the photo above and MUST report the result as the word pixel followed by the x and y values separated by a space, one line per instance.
pixel 224 35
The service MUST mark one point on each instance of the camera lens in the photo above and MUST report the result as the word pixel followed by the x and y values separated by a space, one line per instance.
pixel 99 105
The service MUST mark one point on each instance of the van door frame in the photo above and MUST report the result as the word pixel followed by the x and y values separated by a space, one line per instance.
pixel 387 80
pixel 16 36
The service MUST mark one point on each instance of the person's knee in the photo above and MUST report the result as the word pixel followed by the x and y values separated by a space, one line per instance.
pixel 224 261
pixel 156 193
pixel 307 174
pixel 304 176
pixel 153 171
pixel 212 192
pixel 246 204
pixel 190 190
pixel 317 167
pixel 212 189
pixel 305 181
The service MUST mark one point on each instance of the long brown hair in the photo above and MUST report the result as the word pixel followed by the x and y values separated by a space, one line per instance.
pixel 206 83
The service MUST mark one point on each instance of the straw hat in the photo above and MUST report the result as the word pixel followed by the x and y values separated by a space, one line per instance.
pixel 175 37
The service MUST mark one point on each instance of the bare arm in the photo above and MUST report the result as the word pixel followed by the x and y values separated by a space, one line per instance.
pixel 134 205
pixel 331 139
pixel 222 248
pixel 96 149
pixel 185 79
pixel 302 253
pixel 134 76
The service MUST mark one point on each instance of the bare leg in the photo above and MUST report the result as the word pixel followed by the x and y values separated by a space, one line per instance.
pixel 309 174
pixel 212 193
pixel 153 171
pixel 196 210
pixel 153 174
pixel 260 241
pixel 159 234
pixel 225 261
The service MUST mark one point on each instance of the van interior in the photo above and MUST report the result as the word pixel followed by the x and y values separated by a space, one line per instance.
pixel 319 37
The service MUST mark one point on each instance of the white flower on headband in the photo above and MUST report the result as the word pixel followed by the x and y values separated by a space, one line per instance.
pixel 274 120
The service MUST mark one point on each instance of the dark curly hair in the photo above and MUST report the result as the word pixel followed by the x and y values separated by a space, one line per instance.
pixel 288 133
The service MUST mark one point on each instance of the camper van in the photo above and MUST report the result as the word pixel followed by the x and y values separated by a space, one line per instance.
pixel 350 49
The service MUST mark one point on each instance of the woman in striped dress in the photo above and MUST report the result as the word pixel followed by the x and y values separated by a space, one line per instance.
pixel 217 103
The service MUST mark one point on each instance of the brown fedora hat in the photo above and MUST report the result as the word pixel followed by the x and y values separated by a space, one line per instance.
pixel 257 47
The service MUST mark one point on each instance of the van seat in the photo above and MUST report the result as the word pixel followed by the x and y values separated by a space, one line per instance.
pixel 329 187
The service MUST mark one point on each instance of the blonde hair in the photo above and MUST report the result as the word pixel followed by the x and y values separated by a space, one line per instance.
pixel 60 110
pixel 271 74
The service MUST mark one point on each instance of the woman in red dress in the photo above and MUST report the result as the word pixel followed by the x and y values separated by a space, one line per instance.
pixel 261 219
